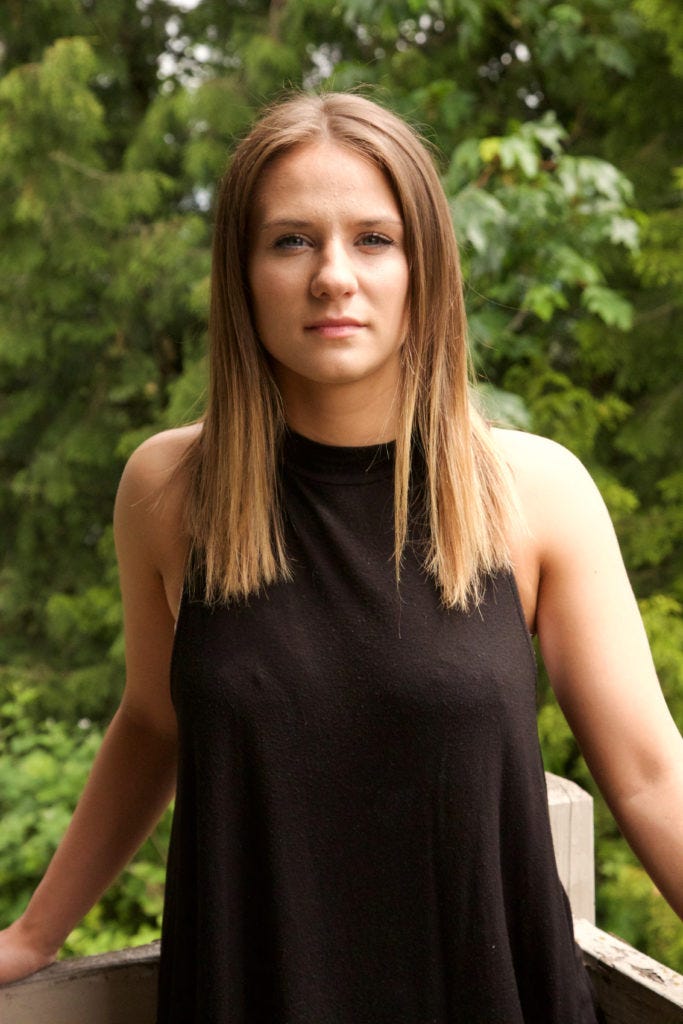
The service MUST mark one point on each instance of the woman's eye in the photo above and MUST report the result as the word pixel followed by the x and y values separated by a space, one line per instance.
pixel 290 242
pixel 373 239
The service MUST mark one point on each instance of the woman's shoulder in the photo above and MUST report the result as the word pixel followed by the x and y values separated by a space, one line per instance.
pixel 559 499
pixel 164 452
pixel 525 451
pixel 563 520
pixel 151 534
pixel 152 493
pixel 541 466
pixel 159 465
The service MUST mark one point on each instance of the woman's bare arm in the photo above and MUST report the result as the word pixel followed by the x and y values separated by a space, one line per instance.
pixel 128 789
pixel 133 776
pixel 598 659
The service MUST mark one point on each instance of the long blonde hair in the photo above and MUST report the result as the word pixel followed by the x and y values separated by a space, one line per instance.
pixel 233 510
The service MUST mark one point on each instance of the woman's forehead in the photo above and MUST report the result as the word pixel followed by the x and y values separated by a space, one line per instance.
pixel 323 177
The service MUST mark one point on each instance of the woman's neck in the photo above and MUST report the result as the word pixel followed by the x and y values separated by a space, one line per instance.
pixel 342 416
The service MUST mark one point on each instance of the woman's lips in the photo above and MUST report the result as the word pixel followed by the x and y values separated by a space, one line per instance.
pixel 342 327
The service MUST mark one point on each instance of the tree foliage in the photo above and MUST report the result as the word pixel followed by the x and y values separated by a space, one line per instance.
pixel 563 166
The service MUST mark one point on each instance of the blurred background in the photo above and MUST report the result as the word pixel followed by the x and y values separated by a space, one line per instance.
pixel 560 140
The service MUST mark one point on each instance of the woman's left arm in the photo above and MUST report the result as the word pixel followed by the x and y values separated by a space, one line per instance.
pixel 598 659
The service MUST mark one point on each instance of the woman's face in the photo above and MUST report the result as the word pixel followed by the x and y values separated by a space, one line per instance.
pixel 328 273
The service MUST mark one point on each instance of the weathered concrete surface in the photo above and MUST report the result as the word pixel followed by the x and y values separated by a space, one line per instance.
pixel 631 987
pixel 571 821
pixel 115 988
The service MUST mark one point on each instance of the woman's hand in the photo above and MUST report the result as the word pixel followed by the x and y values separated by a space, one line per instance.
pixel 19 956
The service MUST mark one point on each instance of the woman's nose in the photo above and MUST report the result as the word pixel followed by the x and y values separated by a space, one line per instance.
pixel 334 274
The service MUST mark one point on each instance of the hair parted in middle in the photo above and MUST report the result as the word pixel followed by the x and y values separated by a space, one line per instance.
pixel 234 519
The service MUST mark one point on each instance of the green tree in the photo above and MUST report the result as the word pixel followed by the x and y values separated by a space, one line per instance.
pixel 99 270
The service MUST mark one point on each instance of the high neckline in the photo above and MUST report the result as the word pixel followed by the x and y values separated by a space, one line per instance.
pixel 354 463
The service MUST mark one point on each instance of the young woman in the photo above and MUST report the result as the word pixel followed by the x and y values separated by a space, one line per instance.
pixel 339 569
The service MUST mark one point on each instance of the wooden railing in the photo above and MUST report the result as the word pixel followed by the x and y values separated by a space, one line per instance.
pixel 120 988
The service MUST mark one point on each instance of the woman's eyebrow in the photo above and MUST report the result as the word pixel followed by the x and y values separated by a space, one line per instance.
pixel 293 222
pixel 285 222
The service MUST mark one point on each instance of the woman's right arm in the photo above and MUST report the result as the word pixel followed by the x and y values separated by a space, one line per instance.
pixel 133 776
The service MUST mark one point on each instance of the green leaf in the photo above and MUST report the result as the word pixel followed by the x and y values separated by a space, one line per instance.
pixel 543 300
pixel 613 54
pixel 489 149
pixel 502 407
pixel 612 308
pixel 519 152
pixel 476 216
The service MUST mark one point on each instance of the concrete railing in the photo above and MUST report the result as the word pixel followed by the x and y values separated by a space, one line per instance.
pixel 571 822
pixel 120 988
pixel 114 988
pixel 631 988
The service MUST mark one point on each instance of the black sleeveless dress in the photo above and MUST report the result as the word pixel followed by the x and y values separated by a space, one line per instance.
pixel 361 832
